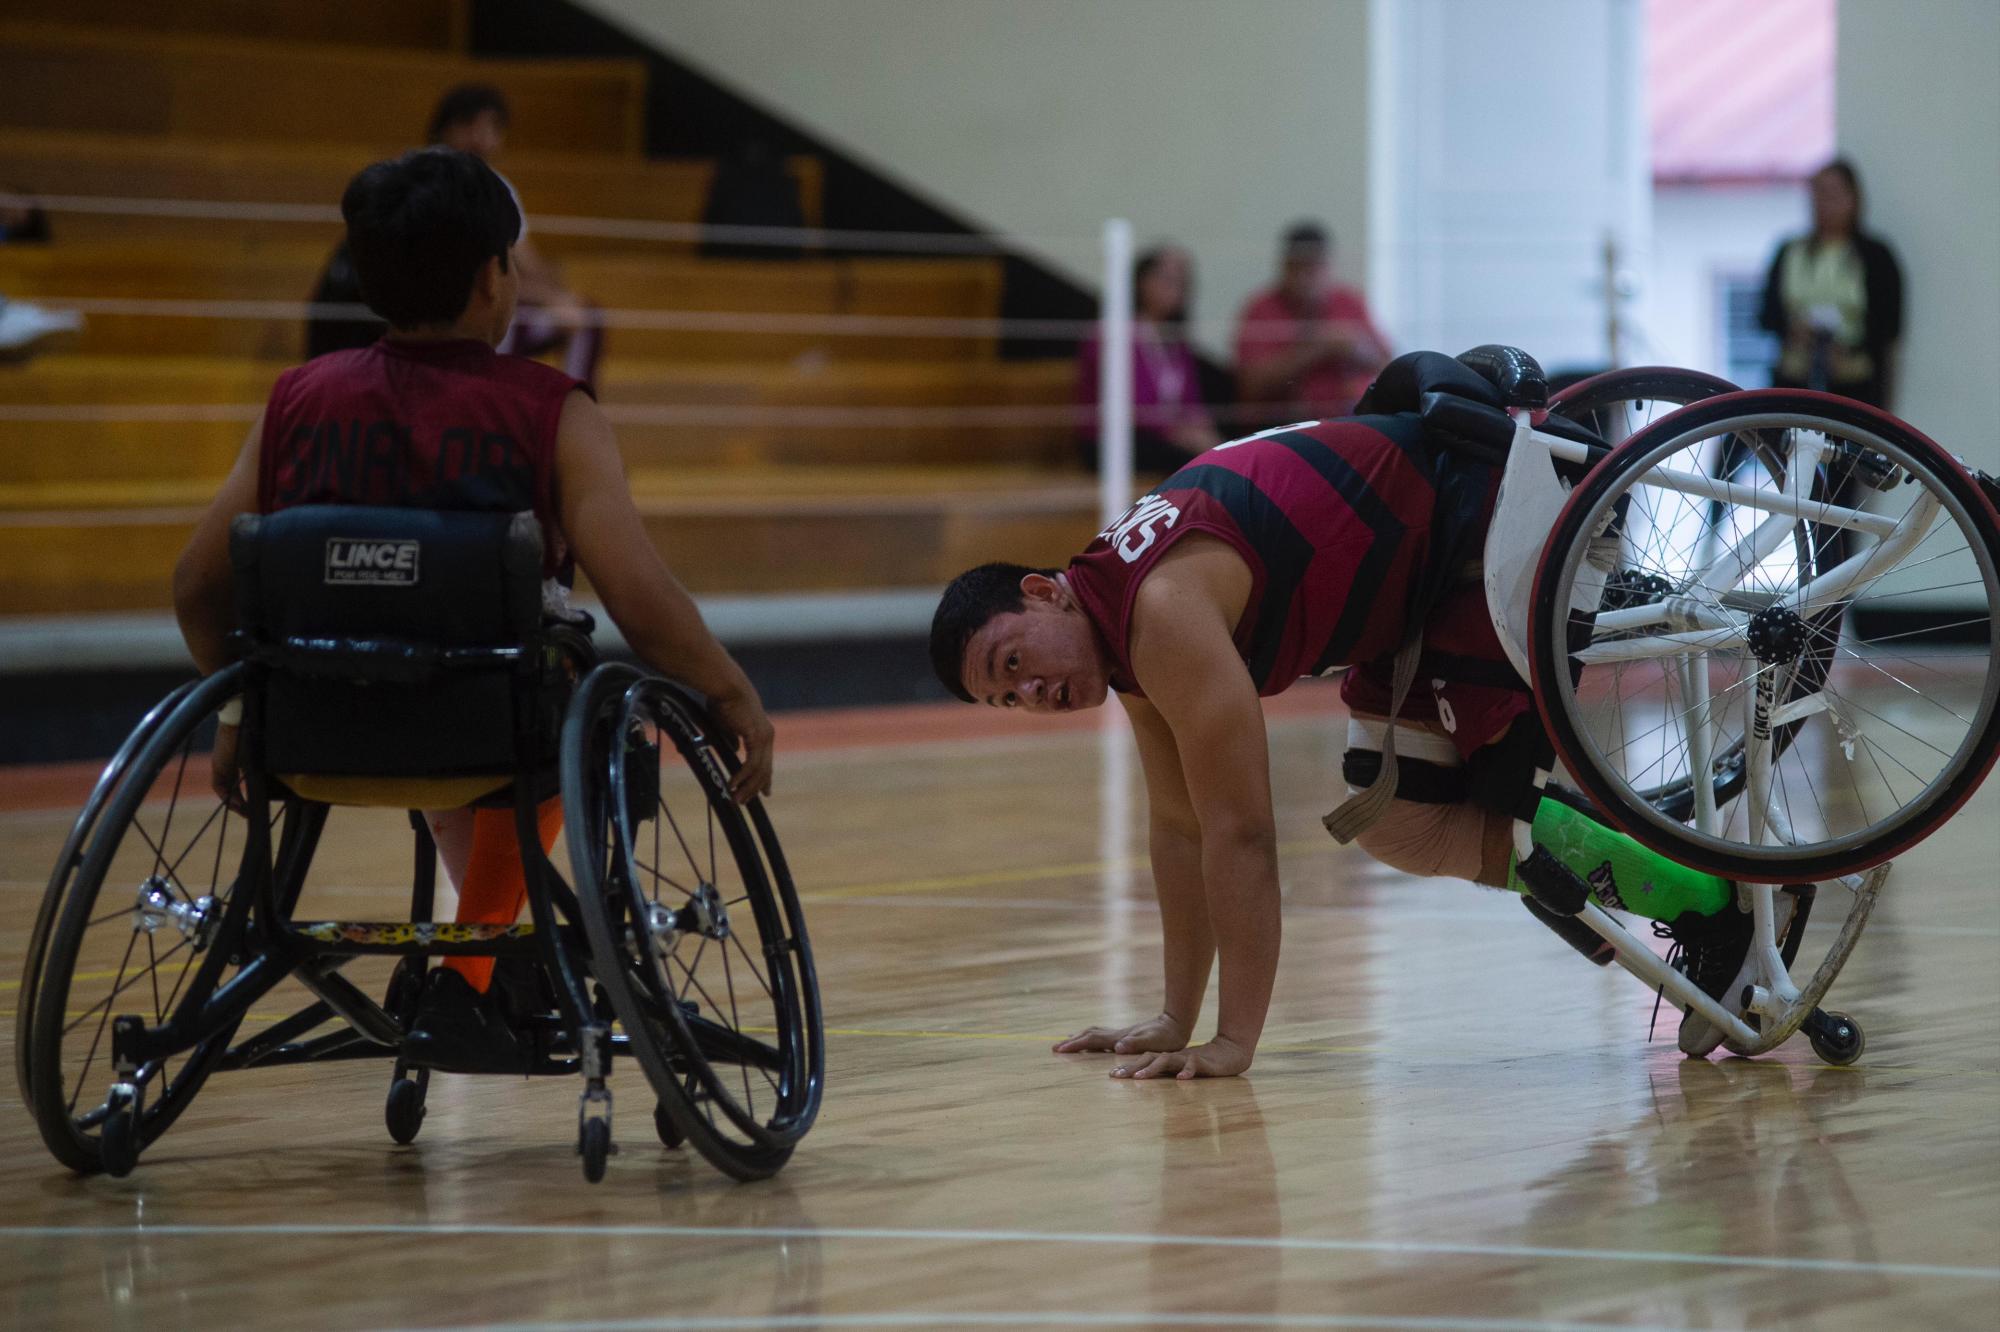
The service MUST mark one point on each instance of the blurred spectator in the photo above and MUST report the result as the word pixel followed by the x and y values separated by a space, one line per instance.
pixel 1835 297
pixel 1170 422
pixel 473 118
pixel 22 221
pixel 1306 348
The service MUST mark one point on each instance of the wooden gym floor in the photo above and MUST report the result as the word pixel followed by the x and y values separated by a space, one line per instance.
pixel 1454 1122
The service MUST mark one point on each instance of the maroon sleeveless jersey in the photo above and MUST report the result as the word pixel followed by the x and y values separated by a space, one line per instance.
pixel 421 425
pixel 1333 518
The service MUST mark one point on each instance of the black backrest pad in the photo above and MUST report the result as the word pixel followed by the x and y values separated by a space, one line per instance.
pixel 1404 381
pixel 422 579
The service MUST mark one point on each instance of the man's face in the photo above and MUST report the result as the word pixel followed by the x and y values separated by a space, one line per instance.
pixel 1042 658
pixel 1302 273
pixel 482 136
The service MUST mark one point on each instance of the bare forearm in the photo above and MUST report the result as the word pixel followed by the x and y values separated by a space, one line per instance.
pixel 668 635
pixel 206 612
pixel 1241 874
pixel 1188 940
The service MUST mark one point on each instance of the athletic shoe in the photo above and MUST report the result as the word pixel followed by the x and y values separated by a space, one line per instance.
pixel 23 327
pixel 459 1030
pixel 1715 955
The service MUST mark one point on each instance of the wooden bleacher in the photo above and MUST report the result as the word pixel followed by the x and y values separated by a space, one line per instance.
pixel 748 456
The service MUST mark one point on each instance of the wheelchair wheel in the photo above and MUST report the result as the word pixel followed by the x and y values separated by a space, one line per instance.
pixel 1618 404
pixel 135 905
pixel 695 928
pixel 1737 647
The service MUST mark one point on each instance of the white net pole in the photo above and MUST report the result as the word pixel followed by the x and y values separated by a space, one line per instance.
pixel 1114 374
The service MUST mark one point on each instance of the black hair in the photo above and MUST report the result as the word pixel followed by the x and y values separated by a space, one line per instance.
pixel 973 598
pixel 419 229
pixel 1307 233
pixel 1151 258
pixel 466 102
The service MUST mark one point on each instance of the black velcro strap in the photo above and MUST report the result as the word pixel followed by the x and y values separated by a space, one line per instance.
pixel 1417 780
pixel 1501 776
pixel 1554 884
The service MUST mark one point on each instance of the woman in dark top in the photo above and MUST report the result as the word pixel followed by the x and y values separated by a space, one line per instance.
pixel 1835 297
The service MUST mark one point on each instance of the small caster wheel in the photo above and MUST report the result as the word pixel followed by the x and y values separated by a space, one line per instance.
pixel 663 1124
pixel 594 1143
pixel 118 1141
pixel 1836 1038
pixel 405 1110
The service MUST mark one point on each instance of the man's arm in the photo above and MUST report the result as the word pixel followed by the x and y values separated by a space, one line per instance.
pixel 1175 844
pixel 204 596
pixel 1185 658
pixel 647 603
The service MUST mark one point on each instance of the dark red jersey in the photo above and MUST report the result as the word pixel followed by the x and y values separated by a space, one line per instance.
pixel 1333 518
pixel 428 425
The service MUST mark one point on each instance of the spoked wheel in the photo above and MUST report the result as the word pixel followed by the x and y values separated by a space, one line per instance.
pixel 135 908
pixel 1854 744
pixel 1617 405
pixel 695 928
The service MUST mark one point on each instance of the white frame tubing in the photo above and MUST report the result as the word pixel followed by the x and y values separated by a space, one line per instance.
pixel 1114 374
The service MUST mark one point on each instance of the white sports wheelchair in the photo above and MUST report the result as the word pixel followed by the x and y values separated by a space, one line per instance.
pixel 1759 630
pixel 427 679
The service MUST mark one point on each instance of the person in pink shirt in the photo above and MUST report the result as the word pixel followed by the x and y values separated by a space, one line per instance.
pixel 1306 348
pixel 1170 421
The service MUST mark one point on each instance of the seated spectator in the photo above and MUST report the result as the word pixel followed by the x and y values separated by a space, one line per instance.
pixel 1170 422
pixel 1306 348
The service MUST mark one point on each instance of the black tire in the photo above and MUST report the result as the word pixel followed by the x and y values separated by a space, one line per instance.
pixel 81 924
pixel 639 770
pixel 1553 640
pixel 1836 1038
pixel 67 861
pixel 404 1110
pixel 594 1145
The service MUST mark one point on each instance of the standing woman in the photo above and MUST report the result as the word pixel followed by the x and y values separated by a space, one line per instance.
pixel 1835 296
pixel 1170 421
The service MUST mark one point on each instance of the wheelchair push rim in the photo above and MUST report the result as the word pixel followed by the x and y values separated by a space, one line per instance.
pixel 696 935
pixel 1746 633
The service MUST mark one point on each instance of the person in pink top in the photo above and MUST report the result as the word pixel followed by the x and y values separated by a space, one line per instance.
pixel 1306 348
pixel 1170 421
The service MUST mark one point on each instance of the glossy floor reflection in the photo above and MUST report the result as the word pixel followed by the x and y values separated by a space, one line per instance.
pixel 1453 1118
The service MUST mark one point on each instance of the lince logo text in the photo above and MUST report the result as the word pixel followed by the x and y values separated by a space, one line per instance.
pixel 360 560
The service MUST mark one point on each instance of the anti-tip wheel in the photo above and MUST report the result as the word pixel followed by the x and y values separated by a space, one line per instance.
pixel 404 1111
pixel 1836 1038
pixel 663 1124
pixel 594 1145
pixel 118 1145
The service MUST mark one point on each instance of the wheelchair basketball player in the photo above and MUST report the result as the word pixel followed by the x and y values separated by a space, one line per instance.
pixel 432 417
pixel 1296 552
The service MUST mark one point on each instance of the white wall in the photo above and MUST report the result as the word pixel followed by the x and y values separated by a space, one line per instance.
pixel 1918 106
pixel 1701 234
pixel 1213 122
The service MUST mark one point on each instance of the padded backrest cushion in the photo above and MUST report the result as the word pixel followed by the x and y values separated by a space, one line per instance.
pixel 1404 381
pixel 404 575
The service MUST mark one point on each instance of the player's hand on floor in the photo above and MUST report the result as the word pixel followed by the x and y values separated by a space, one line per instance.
pixel 1155 1033
pixel 1220 1058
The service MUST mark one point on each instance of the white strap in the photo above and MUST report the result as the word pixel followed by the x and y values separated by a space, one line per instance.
pixel 1411 741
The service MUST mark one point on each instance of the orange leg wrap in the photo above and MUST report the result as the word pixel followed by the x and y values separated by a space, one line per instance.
pixel 494 885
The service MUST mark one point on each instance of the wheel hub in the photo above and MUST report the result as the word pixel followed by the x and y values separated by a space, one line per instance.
pixel 158 906
pixel 1628 588
pixel 711 916
pixel 1776 635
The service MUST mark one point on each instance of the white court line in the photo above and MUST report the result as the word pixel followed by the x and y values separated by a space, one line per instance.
pixel 1284 1243
pixel 719 1322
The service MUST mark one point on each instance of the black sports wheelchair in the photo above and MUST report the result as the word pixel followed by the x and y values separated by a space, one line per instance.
pixel 397 657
